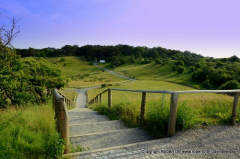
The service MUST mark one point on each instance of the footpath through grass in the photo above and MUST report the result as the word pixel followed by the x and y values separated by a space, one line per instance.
pixel 82 73
pixel 29 132
pixel 194 110
pixel 155 71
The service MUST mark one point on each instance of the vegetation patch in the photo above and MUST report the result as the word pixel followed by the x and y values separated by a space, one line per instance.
pixel 29 133
pixel 194 110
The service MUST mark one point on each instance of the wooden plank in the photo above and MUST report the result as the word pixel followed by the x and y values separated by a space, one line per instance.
pixel 173 114
pixel 143 104
pixel 234 108
pixel 109 99
pixel 147 91
pixel 208 91
pixel 100 98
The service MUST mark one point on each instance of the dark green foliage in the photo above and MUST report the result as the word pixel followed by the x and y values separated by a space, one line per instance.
pixel 133 60
pixel 206 84
pixel 158 117
pixel 234 59
pixel 27 80
pixel 174 68
pixel 165 62
pixel 179 63
pixel 62 59
pixel 158 61
pixel 186 117
pixel 104 85
pixel 180 69
pixel 233 84
pixel 191 69
pixel 116 61
pixel 199 75
pixel 145 61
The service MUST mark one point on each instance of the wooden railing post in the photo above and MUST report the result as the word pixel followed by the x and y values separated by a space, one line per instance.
pixel 234 109
pixel 109 99
pixel 100 98
pixel 63 123
pixel 173 114
pixel 53 106
pixel 143 104
pixel 97 99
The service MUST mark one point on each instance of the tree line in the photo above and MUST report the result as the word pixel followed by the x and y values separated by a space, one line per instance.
pixel 221 73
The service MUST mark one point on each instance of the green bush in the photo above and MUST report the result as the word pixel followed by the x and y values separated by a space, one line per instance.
pixel 233 84
pixel 158 61
pixel 158 117
pixel 174 68
pixel 191 69
pixel 28 80
pixel 206 84
pixel 104 85
pixel 62 59
pixel 177 63
pixel 180 69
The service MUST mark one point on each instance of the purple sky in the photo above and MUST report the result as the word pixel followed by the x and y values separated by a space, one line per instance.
pixel 207 27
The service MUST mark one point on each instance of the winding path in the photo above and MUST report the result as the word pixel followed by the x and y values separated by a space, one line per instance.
pixel 112 139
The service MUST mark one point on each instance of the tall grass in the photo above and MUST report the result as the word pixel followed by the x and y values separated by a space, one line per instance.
pixel 29 133
pixel 193 109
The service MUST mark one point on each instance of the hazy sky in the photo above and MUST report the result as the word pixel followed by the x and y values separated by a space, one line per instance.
pixel 207 27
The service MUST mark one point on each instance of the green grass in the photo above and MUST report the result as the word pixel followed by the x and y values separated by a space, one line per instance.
pixel 194 110
pixel 153 71
pixel 69 92
pixel 82 74
pixel 29 132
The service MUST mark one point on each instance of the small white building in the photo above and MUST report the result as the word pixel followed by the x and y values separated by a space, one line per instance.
pixel 102 61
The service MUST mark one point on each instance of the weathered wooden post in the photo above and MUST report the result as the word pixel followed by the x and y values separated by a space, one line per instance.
pixel 97 99
pixel 53 106
pixel 62 119
pixel 143 104
pixel 109 99
pixel 173 114
pixel 63 123
pixel 234 109
pixel 100 98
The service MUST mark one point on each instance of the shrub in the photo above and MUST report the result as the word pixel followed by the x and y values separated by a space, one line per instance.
pixel 180 69
pixel 104 85
pixel 62 59
pixel 177 63
pixel 174 68
pixel 191 69
pixel 158 61
pixel 233 84
pixel 206 84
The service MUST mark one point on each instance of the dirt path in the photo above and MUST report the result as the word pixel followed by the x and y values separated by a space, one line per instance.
pixel 81 101
pixel 114 73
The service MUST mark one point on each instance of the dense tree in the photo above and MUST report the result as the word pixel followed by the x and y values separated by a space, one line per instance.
pixel 234 59
pixel 24 80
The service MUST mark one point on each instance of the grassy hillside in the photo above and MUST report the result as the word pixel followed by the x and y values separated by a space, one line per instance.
pixel 155 71
pixel 82 73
